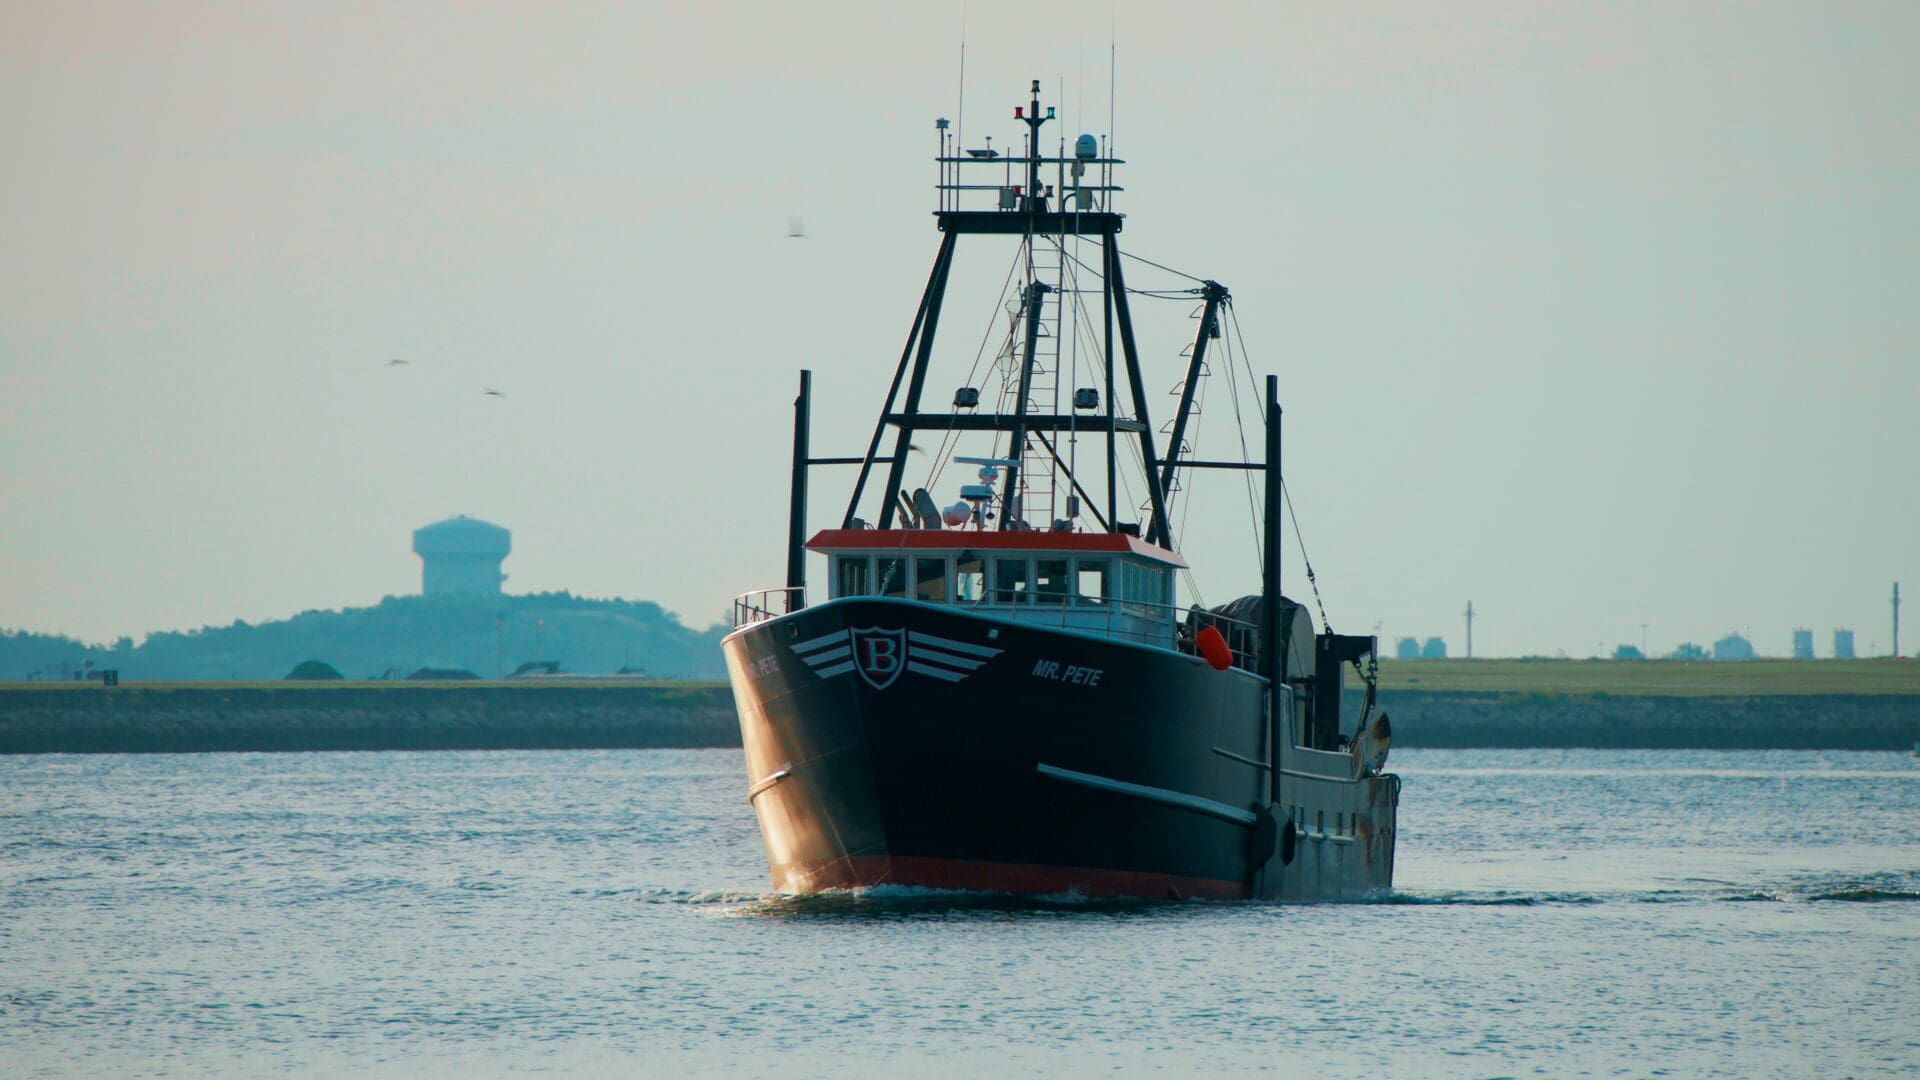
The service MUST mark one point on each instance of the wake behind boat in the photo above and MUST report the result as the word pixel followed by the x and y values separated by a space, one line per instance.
pixel 1002 693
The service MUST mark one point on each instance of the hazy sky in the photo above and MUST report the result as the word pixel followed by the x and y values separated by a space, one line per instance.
pixel 1597 315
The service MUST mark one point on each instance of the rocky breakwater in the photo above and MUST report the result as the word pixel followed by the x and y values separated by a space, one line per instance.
pixel 185 718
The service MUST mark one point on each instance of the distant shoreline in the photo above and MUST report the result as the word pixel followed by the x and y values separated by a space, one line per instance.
pixel 298 716
pixel 1657 678
pixel 1815 705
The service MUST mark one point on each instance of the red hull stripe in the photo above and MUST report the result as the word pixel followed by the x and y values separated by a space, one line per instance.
pixel 867 871
pixel 957 540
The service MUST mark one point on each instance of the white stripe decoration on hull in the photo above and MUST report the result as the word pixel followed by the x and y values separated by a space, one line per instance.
pixel 1180 799
pixel 881 654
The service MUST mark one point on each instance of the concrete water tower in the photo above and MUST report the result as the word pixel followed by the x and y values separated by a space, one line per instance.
pixel 461 557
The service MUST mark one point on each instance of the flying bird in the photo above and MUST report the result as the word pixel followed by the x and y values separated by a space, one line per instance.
pixel 796 229
pixel 491 392
pixel 395 362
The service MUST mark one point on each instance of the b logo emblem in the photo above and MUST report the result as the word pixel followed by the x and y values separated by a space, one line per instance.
pixel 879 655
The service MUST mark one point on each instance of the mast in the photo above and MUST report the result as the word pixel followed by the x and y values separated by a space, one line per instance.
pixel 1158 528
pixel 1214 293
pixel 797 502
pixel 1033 120
pixel 1028 210
pixel 934 283
pixel 937 292
pixel 1273 650
pixel 1113 473
pixel 1017 449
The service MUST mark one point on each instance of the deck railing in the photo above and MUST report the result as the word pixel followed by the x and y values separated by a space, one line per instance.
pixel 1164 625
pixel 763 604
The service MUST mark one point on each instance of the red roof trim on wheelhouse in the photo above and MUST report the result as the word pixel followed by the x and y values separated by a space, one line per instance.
pixel 957 540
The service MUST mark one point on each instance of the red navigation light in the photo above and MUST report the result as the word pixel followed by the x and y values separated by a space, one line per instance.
pixel 1018 111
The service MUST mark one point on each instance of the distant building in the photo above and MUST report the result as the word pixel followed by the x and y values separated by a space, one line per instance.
pixel 1803 644
pixel 461 556
pixel 1733 647
pixel 1628 652
pixel 1407 648
pixel 1434 649
pixel 1843 644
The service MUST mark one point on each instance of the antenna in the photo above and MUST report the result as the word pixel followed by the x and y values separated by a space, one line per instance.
pixel 1113 54
pixel 960 113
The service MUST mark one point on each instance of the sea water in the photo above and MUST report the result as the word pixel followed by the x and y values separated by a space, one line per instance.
pixel 1554 913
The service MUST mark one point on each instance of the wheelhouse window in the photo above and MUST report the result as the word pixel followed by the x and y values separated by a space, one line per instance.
pixel 1144 585
pixel 890 576
pixel 930 580
pixel 969 578
pixel 1093 581
pixel 1010 581
pixel 852 571
pixel 1050 581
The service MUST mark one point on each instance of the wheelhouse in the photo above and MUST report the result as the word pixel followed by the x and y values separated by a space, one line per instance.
pixel 1111 584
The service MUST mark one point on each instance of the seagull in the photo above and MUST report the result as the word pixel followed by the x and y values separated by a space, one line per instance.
pixel 395 362
pixel 491 392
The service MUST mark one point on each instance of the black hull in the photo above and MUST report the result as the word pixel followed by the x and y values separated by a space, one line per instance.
pixel 971 752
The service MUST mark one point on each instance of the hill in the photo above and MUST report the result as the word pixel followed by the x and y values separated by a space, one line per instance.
pixel 400 635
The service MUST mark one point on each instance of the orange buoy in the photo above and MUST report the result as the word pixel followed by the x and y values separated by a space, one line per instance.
pixel 1213 647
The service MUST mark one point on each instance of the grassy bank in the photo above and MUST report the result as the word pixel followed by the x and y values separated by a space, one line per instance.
pixel 1656 678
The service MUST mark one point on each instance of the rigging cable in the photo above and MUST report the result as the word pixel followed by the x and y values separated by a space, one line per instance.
pixel 950 436
pixel 1158 266
pixel 1286 495
pixel 1157 294
pixel 1240 422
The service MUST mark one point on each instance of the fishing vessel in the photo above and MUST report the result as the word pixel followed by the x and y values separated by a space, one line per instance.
pixel 1002 693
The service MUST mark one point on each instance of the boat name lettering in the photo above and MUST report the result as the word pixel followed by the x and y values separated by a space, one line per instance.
pixel 1067 673
pixel 764 666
